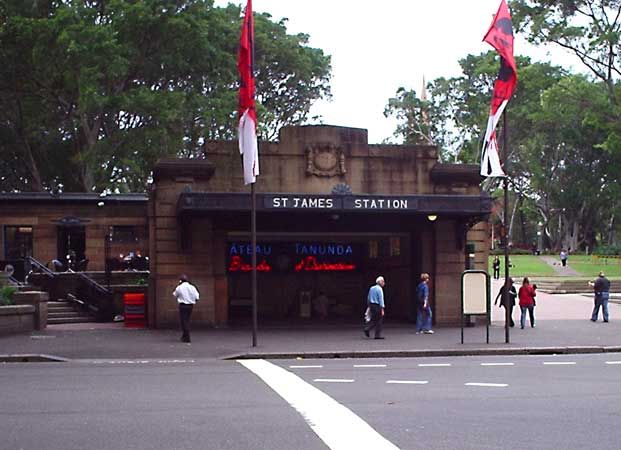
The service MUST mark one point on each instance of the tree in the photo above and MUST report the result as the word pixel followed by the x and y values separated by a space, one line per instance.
pixel 92 93
pixel 590 29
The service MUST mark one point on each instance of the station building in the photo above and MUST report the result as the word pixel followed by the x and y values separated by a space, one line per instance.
pixel 333 213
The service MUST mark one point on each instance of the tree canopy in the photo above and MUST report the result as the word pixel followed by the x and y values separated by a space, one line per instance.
pixel 92 93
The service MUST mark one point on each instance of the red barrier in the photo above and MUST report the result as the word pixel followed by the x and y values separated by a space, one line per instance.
pixel 135 310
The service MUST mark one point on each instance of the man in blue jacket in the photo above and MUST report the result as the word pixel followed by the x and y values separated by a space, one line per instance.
pixel 375 302
pixel 423 308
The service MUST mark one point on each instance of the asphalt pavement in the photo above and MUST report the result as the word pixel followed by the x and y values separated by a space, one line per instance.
pixel 562 326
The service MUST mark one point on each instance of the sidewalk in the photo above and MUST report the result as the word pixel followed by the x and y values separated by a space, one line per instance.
pixel 562 326
pixel 561 271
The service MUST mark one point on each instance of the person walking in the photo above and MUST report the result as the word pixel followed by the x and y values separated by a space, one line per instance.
pixel 601 287
pixel 186 295
pixel 496 267
pixel 563 257
pixel 512 297
pixel 375 303
pixel 423 308
pixel 527 302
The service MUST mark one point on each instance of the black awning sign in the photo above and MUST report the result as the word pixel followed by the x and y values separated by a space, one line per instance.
pixel 300 202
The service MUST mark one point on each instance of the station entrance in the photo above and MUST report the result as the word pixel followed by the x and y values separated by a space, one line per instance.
pixel 320 277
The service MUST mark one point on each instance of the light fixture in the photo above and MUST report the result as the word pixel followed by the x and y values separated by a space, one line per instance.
pixel 432 217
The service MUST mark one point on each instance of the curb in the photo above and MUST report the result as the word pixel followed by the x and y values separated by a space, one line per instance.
pixel 31 357
pixel 429 353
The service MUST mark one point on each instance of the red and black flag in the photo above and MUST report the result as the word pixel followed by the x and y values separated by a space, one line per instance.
pixel 247 130
pixel 499 36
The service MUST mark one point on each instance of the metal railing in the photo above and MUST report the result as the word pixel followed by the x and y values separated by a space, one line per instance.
pixel 84 291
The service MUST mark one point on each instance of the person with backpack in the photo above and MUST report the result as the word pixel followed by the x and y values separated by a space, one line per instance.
pixel 511 300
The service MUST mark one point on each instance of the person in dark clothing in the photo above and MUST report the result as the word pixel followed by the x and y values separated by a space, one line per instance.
pixel 496 267
pixel 601 287
pixel 512 297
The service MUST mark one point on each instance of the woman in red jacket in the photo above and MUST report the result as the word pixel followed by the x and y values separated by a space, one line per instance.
pixel 527 302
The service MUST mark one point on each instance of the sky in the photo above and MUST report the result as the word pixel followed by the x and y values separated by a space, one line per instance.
pixel 378 46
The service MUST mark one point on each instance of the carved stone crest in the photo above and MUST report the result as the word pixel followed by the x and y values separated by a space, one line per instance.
pixel 325 160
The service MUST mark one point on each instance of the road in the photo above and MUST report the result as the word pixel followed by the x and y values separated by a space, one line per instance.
pixel 511 402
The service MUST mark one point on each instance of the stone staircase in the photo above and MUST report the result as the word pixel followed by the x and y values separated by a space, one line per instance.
pixel 570 286
pixel 65 311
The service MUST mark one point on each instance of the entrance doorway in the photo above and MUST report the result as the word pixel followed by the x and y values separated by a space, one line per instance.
pixel 320 277
pixel 72 247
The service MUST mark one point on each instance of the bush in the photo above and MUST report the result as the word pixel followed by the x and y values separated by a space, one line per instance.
pixel 6 295
pixel 608 250
pixel 512 251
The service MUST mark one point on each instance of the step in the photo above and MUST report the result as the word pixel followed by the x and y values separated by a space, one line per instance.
pixel 60 308
pixel 56 321
pixel 70 314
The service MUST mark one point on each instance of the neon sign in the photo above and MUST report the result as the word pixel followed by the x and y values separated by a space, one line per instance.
pixel 310 263
pixel 238 265
pixel 295 256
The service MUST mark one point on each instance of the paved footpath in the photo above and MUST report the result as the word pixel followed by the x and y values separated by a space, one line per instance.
pixel 556 264
pixel 562 325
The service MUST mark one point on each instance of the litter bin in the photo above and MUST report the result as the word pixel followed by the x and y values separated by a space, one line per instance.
pixel 135 310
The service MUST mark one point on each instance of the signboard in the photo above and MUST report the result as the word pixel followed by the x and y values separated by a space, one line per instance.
pixel 348 203
pixel 474 292
pixel 475 297
pixel 295 256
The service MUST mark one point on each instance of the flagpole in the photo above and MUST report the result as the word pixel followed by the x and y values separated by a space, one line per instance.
pixel 253 232
pixel 508 309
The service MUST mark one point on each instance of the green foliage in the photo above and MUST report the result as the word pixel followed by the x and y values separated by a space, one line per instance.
pixel 590 29
pixel 608 250
pixel 6 295
pixel 93 93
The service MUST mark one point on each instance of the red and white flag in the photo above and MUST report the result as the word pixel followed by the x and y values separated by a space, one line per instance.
pixel 247 130
pixel 499 36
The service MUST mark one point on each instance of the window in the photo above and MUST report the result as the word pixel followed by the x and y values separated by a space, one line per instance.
pixel 124 233
pixel 373 249
pixel 395 246
pixel 17 241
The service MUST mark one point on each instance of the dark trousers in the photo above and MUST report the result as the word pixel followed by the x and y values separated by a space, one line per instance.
pixel 377 319
pixel 564 261
pixel 185 311
pixel 511 322
pixel 496 273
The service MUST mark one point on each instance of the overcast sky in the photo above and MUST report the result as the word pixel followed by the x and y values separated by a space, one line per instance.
pixel 379 46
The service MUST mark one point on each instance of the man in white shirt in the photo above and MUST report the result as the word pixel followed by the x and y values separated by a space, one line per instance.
pixel 186 295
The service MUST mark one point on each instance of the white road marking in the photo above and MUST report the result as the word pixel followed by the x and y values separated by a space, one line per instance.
pixel 498 364
pixel 487 384
pixel 306 367
pixel 333 380
pixel 337 426
pixel 435 365
pixel 407 382
pixel 369 365
pixel 559 363
pixel 613 362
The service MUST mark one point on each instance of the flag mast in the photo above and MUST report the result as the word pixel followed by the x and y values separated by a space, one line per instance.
pixel 248 144
pixel 500 36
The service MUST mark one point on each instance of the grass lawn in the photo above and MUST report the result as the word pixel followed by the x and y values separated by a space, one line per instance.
pixel 533 266
pixel 590 266
pixel 523 266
